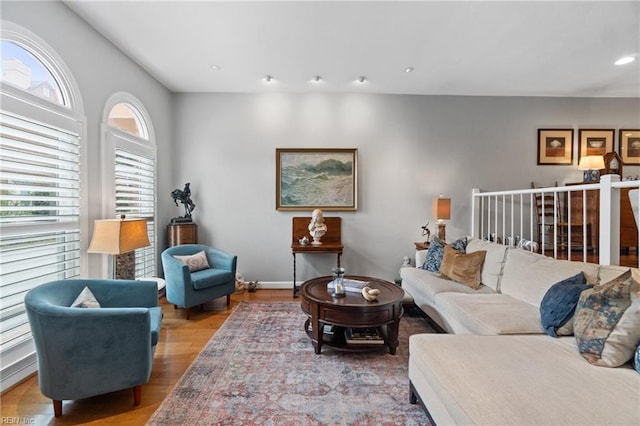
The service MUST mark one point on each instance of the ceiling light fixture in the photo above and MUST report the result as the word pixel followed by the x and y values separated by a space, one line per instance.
pixel 362 79
pixel 625 60
pixel 268 78
pixel 215 67
pixel 317 79
pixel 408 69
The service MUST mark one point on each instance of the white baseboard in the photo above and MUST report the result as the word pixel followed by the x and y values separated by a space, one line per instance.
pixel 18 371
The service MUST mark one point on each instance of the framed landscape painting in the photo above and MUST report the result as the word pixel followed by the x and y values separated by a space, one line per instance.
pixel 595 142
pixel 630 146
pixel 316 178
pixel 555 147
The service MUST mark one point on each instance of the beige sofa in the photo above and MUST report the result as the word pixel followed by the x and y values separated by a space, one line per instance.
pixel 497 366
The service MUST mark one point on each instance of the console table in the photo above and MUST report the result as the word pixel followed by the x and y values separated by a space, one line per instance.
pixel 331 241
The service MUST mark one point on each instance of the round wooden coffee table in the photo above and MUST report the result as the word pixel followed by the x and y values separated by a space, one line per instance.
pixel 351 311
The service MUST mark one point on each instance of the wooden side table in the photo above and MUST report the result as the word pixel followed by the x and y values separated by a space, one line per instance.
pixel 422 246
pixel 182 233
pixel 330 241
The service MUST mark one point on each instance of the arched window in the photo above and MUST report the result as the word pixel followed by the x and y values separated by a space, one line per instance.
pixel 24 70
pixel 130 171
pixel 41 178
pixel 126 117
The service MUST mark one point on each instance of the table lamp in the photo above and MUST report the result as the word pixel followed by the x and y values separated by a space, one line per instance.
pixel 591 164
pixel 441 212
pixel 120 237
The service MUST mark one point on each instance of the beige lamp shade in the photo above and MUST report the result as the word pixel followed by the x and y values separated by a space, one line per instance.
pixel 442 208
pixel 117 236
pixel 591 162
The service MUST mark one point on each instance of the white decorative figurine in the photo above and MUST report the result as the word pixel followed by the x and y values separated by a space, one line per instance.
pixel 317 227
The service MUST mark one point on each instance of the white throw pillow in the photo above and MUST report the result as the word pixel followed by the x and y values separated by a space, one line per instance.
pixel 85 299
pixel 195 262
pixel 493 261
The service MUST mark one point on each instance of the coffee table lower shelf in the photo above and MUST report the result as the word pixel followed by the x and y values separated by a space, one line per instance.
pixel 338 341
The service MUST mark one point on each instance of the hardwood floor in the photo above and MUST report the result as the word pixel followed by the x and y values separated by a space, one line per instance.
pixel 180 342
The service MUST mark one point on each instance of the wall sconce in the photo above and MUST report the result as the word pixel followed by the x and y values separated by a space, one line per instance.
pixel 591 164
pixel 442 212
pixel 120 237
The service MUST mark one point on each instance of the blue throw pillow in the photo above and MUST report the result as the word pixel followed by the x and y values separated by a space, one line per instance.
pixel 436 252
pixel 636 359
pixel 559 303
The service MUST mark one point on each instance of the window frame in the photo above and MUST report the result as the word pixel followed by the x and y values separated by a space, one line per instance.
pixel 113 138
pixel 19 360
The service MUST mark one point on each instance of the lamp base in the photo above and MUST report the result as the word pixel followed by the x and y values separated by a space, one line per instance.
pixel 125 266
pixel 442 232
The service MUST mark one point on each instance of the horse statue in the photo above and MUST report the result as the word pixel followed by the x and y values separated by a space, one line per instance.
pixel 184 196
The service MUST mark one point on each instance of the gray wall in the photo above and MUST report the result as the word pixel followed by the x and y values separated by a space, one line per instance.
pixel 100 69
pixel 410 149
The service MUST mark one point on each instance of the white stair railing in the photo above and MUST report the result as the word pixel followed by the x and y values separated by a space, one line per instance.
pixel 510 217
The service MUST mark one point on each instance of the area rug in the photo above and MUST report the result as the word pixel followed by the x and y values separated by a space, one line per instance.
pixel 260 369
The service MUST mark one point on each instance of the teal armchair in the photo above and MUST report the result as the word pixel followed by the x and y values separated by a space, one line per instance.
pixel 84 352
pixel 186 289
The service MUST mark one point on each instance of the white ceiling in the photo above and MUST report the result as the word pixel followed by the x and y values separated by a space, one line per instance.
pixel 526 48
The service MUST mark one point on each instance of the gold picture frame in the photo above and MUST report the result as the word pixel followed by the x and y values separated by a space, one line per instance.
pixel 555 147
pixel 316 178
pixel 630 146
pixel 594 142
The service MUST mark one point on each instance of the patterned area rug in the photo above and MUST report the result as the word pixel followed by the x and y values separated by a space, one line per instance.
pixel 260 369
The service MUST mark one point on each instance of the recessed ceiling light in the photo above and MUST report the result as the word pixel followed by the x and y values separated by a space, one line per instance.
pixel 408 69
pixel 216 67
pixel 268 78
pixel 625 60
pixel 316 79
pixel 362 79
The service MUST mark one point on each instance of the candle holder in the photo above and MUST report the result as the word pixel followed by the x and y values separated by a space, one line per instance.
pixel 338 277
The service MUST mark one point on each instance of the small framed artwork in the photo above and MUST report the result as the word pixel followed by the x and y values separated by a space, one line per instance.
pixel 316 178
pixel 595 142
pixel 555 146
pixel 630 146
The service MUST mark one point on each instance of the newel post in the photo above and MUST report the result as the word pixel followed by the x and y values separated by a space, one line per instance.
pixel 474 231
pixel 609 253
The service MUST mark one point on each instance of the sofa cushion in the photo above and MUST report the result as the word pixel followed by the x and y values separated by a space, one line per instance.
pixel 195 262
pixel 424 285
pixel 85 299
pixel 607 322
pixel 436 252
pixel 493 261
pixel 208 278
pixel 488 314
pixel 559 304
pixel 516 380
pixel 607 273
pixel 527 276
pixel 461 267
pixel 156 323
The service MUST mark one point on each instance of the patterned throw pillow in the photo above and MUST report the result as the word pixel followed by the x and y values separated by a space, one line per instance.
pixel 559 304
pixel 636 360
pixel 195 262
pixel 607 321
pixel 463 268
pixel 436 252
pixel 85 299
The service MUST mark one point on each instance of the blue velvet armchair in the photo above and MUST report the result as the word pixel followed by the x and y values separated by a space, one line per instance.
pixel 83 352
pixel 186 289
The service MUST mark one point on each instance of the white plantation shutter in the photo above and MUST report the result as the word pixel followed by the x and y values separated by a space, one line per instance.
pixel 39 216
pixel 135 198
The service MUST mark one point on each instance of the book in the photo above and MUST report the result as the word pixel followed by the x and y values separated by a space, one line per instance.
pixel 363 336
pixel 352 286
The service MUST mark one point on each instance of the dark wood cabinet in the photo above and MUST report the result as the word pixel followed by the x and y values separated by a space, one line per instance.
pixel 182 233
pixel 628 229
